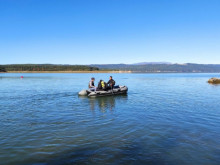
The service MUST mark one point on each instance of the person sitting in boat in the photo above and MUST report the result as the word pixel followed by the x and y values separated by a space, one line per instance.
pixel 102 85
pixel 111 83
pixel 92 84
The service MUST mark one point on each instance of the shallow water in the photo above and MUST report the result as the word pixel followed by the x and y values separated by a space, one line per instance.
pixel 164 119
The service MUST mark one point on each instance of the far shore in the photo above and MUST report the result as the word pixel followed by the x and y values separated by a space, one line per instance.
pixel 103 71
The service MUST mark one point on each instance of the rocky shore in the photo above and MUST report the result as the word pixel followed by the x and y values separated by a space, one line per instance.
pixel 214 81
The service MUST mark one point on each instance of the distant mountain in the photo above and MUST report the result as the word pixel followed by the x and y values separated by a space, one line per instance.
pixel 163 68
pixel 140 67
pixel 145 63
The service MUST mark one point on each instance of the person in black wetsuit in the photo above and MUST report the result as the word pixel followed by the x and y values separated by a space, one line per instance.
pixel 111 83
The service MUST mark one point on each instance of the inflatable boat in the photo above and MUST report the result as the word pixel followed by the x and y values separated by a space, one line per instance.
pixel 115 91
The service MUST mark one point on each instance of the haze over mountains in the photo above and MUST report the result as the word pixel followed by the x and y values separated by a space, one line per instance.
pixel 145 63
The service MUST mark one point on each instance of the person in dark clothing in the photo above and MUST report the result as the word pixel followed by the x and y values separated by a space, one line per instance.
pixel 102 85
pixel 111 83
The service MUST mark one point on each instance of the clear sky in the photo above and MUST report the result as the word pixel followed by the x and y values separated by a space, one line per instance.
pixel 109 31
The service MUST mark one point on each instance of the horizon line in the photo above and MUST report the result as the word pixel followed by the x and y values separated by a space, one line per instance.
pixel 139 63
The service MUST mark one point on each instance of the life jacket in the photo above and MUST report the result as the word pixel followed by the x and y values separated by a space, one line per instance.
pixel 103 84
pixel 92 83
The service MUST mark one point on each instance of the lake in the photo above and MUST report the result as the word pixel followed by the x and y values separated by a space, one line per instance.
pixel 164 119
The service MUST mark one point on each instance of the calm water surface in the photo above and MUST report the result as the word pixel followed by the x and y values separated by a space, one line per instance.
pixel 164 119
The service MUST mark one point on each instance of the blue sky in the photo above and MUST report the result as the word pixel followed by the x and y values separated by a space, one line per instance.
pixel 109 31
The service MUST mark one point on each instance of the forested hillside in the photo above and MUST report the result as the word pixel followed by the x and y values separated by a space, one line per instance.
pixel 2 69
pixel 47 67
pixel 146 68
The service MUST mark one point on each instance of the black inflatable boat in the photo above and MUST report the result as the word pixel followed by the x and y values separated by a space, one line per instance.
pixel 115 91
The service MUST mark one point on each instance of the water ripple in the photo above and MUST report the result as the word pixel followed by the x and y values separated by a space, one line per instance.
pixel 164 119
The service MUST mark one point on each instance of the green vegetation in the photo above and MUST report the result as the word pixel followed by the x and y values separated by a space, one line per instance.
pixel 145 68
pixel 2 69
pixel 47 67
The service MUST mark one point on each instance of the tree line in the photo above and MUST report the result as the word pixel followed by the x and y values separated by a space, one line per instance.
pixel 2 69
pixel 148 68
pixel 46 67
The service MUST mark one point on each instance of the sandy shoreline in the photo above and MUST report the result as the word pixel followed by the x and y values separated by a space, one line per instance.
pixel 67 72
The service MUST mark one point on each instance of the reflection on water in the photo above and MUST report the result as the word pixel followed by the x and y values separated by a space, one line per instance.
pixel 104 103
